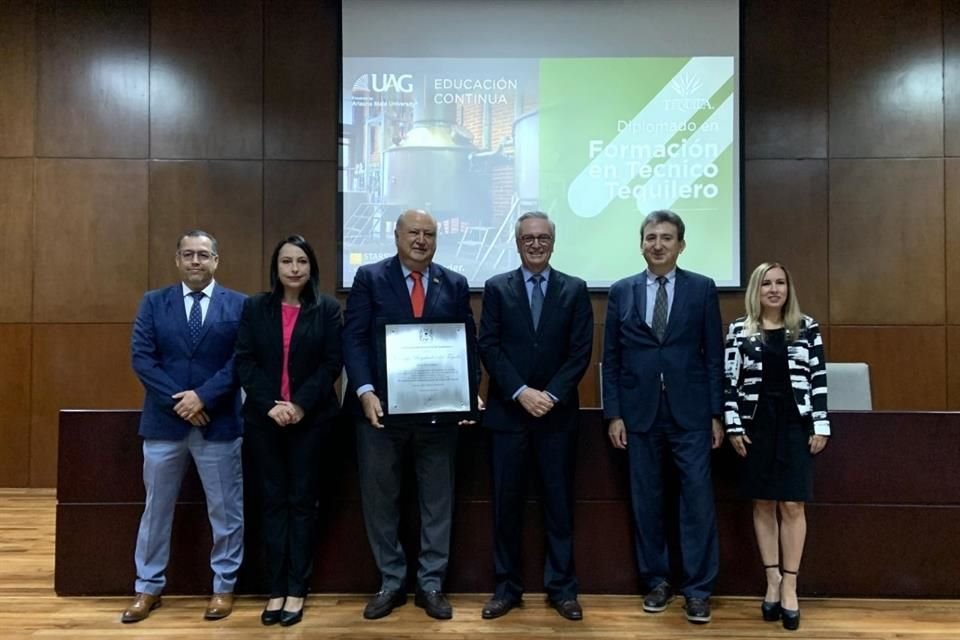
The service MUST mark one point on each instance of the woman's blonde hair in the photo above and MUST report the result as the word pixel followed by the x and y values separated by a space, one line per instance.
pixel 790 312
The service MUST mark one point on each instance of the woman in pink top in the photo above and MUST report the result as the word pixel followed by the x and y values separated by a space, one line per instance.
pixel 288 358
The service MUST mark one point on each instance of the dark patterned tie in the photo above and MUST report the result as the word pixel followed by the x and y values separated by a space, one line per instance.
pixel 660 309
pixel 536 300
pixel 195 322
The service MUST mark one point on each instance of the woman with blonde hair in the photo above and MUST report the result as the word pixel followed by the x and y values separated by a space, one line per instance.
pixel 776 417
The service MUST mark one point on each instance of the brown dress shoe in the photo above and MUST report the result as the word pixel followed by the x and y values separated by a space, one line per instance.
pixel 140 608
pixel 221 605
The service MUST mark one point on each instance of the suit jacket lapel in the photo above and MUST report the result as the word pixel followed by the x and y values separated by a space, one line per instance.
pixel 551 300
pixel 640 300
pixel 176 316
pixel 518 289
pixel 679 307
pixel 399 285
pixel 437 279
pixel 213 314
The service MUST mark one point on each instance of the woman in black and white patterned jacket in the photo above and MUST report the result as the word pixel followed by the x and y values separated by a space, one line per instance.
pixel 776 419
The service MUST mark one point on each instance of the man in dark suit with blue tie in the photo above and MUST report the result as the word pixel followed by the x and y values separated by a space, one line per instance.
pixel 182 351
pixel 536 335
pixel 662 392
pixel 406 286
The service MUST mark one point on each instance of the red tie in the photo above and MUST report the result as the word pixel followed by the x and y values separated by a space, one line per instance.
pixel 417 295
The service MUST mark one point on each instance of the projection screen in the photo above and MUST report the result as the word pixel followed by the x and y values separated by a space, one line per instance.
pixel 596 112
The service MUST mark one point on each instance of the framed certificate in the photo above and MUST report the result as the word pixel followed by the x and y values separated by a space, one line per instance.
pixel 426 372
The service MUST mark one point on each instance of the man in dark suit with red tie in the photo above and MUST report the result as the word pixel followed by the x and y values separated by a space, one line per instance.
pixel 536 334
pixel 406 286
pixel 663 395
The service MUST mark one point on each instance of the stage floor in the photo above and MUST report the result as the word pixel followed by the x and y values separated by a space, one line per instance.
pixel 29 608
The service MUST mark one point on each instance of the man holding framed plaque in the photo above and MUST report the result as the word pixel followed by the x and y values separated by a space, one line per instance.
pixel 536 335
pixel 409 346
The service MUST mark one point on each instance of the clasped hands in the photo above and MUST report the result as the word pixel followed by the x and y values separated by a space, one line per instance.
pixel 190 407
pixel 285 413
pixel 536 403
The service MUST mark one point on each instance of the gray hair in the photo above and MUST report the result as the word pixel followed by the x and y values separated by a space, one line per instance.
pixel 535 215
pixel 198 233
pixel 664 215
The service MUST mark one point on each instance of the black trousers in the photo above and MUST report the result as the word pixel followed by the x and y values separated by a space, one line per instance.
pixel 555 454
pixel 286 466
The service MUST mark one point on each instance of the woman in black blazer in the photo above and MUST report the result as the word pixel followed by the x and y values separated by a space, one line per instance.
pixel 776 415
pixel 288 358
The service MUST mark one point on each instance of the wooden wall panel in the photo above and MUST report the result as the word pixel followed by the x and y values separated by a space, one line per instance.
pixel 301 197
pixel 93 78
pixel 953 368
pixel 206 79
pixel 951 77
pixel 951 172
pixel 224 198
pixel 17 77
pixel 908 365
pixel 787 221
pixel 16 239
pixel 15 405
pixel 76 366
pixel 91 229
pixel 301 61
pixel 785 78
pixel 886 242
pixel 886 78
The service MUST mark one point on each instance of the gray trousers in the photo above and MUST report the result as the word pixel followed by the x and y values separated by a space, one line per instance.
pixel 380 453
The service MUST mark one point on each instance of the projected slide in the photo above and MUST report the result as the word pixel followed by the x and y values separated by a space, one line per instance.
pixel 595 142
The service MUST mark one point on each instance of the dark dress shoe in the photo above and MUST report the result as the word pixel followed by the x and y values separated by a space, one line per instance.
pixel 290 618
pixel 497 607
pixel 569 609
pixel 658 598
pixel 140 608
pixel 382 603
pixel 698 610
pixel 790 618
pixel 770 610
pixel 270 616
pixel 434 603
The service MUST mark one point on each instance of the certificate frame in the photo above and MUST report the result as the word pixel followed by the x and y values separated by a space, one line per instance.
pixel 427 416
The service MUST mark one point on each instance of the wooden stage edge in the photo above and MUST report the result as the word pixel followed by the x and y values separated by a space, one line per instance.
pixel 883 521
pixel 29 608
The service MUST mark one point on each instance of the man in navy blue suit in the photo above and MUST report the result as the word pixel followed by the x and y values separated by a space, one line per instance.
pixel 403 287
pixel 662 393
pixel 182 351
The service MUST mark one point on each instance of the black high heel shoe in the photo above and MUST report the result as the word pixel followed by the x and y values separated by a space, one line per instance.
pixel 290 618
pixel 770 610
pixel 790 617
pixel 270 616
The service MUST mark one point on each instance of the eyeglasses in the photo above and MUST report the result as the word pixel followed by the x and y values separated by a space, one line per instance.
pixel 201 256
pixel 529 240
